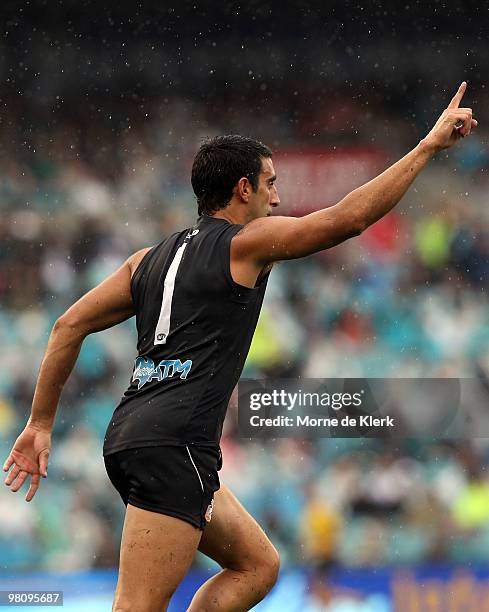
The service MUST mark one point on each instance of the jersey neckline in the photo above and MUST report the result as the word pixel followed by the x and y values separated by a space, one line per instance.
pixel 207 218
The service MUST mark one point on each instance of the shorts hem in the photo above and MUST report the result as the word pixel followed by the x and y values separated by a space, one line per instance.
pixel 173 513
pixel 106 452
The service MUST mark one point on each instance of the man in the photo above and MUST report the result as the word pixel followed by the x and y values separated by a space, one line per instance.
pixel 196 297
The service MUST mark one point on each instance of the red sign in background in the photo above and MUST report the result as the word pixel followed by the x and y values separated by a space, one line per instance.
pixel 310 179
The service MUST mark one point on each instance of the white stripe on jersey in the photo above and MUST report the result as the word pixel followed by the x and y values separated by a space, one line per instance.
pixel 163 326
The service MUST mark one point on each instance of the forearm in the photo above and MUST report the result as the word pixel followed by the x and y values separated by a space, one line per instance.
pixel 104 306
pixel 370 202
pixel 58 362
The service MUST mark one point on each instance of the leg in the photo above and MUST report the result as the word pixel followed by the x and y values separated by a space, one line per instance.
pixel 156 552
pixel 249 560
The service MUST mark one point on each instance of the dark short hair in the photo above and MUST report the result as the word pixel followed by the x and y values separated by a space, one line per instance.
pixel 219 164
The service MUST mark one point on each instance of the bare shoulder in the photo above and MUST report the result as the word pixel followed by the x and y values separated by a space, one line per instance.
pixel 267 239
pixel 261 228
pixel 135 259
pixel 266 224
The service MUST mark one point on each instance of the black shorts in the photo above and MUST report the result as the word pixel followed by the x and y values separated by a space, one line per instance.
pixel 176 480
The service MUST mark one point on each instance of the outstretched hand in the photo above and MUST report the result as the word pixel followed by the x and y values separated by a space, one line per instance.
pixel 29 456
pixel 454 123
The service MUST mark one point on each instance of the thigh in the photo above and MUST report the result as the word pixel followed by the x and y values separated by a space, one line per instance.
pixel 233 538
pixel 156 552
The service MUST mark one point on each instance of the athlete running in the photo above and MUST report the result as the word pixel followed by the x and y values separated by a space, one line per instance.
pixel 197 296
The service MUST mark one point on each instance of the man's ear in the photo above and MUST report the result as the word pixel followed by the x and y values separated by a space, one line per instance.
pixel 243 189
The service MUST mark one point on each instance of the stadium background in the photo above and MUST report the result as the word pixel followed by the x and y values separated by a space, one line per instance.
pixel 102 110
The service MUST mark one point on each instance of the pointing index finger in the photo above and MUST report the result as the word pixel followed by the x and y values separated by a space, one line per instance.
pixel 457 98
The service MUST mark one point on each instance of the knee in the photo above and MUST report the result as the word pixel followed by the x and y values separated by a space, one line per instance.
pixel 126 605
pixel 269 567
pixel 122 607
pixel 274 565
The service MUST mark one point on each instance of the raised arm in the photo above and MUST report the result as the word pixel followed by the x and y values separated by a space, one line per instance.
pixel 106 305
pixel 276 238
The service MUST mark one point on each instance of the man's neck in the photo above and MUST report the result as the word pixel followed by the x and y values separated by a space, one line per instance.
pixel 233 213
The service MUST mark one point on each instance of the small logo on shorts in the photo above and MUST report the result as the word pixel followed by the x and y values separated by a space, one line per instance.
pixel 208 512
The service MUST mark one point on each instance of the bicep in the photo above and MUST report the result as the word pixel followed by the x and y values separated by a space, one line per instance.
pixel 279 238
pixel 106 305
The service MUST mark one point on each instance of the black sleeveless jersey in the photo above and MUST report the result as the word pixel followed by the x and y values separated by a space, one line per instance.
pixel 195 326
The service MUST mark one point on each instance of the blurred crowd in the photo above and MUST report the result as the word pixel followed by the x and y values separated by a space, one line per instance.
pixel 408 298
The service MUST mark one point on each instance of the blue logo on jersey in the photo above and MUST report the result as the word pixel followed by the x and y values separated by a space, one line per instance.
pixel 145 370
